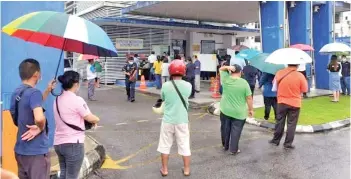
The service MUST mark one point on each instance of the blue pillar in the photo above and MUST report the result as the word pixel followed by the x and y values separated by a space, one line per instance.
pixel 300 28
pixel 16 50
pixel 272 23
pixel 322 34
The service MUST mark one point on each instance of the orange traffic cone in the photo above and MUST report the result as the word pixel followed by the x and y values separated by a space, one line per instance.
pixel 212 84
pixel 142 83
pixel 216 93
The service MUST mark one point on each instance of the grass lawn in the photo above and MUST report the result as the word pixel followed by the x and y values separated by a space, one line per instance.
pixel 317 110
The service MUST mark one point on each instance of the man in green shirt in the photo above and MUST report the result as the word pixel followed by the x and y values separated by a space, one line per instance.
pixel 175 118
pixel 98 70
pixel 236 105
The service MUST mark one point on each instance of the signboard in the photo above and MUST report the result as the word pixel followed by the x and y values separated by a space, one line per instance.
pixel 208 46
pixel 125 43
pixel 209 62
pixel 196 47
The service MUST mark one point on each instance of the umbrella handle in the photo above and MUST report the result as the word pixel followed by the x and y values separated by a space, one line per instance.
pixel 57 68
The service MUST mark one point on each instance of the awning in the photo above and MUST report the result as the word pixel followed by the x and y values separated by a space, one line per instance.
pixel 239 12
pixel 205 28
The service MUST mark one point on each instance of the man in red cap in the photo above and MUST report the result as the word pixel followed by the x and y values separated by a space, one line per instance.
pixel 175 94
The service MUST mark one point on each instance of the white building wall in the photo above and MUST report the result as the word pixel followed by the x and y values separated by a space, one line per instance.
pixel 343 29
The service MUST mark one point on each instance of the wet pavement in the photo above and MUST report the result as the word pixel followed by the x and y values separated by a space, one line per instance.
pixel 130 132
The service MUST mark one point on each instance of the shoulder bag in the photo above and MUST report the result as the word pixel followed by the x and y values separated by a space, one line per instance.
pixel 17 100
pixel 180 95
pixel 87 124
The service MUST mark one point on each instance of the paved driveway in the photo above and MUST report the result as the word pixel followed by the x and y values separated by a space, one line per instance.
pixel 130 133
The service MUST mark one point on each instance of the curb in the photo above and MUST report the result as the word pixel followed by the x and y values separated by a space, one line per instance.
pixel 93 160
pixel 214 109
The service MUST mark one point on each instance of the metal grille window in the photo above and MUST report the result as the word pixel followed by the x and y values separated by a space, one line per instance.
pixel 113 66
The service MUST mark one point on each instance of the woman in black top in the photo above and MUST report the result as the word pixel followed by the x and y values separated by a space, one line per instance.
pixel 334 78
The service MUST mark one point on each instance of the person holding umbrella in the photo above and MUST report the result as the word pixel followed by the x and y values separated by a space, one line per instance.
pixel 289 84
pixel 269 96
pixel 334 69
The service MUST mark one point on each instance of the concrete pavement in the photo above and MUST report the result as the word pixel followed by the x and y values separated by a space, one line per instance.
pixel 130 132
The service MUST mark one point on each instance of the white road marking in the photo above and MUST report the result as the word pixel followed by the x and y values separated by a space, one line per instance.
pixel 143 121
pixel 120 124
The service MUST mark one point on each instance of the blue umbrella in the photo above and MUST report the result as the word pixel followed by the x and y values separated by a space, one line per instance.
pixel 258 62
pixel 248 53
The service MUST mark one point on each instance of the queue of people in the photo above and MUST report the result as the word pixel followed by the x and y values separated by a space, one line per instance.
pixel 70 112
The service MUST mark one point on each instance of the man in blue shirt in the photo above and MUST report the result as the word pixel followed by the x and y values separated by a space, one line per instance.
pixel 269 96
pixel 197 74
pixel 32 147
pixel 190 76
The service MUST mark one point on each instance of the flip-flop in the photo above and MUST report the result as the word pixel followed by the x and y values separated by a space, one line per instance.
pixel 185 173
pixel 162 174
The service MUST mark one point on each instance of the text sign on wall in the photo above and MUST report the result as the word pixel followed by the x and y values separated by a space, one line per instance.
pixel 125 43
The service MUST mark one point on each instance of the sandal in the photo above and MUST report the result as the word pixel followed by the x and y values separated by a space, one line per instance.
pixel 163 174
pixel 185 174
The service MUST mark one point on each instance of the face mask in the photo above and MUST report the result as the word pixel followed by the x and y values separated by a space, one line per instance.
pixel 130 63
pixel 343 59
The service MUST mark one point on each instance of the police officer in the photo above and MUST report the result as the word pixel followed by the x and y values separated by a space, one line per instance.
pixel 130 71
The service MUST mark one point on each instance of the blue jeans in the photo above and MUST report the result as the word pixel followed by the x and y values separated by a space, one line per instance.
pixel 345 85
pixel 130 89
pixel 70 157
pixel 158 81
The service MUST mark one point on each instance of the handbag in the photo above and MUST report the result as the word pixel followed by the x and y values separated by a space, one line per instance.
pixel 87 124
pixel 158 107
pixel 132 77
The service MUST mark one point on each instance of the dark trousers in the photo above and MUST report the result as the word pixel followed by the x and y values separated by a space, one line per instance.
pixel 205 75
pixel 191 80
pixel 33 166
pixel 252 88
pixel 291 114
pixel 70 157
pixel 268 103
pixel 146 73
pixel 130 88
pixel 231 132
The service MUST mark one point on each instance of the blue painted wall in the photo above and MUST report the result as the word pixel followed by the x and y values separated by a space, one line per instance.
pixel 272 18
pixel 300 27
pixel 15 50
pixel 322 34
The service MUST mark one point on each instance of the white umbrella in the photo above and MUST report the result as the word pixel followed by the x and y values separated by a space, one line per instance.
pixel 335 47
pixel 288 56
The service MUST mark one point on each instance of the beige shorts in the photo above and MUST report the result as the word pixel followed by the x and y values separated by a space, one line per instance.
pixel 179 132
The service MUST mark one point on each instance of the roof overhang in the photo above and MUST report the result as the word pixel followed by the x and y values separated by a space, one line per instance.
pixel 340 6
pixel 205 28
pixel 239 12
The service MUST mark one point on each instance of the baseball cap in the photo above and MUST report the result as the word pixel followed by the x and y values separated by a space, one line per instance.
pixel 237 67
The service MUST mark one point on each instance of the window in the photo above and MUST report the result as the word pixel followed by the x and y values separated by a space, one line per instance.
pixel 208 46
pixel 257 39
pixel 337 18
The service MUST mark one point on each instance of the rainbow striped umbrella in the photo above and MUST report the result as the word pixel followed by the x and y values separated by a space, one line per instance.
pixel 86 57
pixel 62 31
